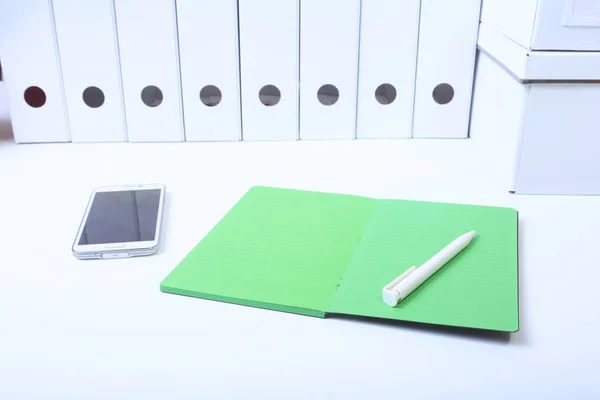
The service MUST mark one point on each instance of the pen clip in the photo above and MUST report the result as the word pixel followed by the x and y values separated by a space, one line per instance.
pixel 396 281
pixel 390 295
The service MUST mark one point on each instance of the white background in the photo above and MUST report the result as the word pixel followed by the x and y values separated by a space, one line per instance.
pixel 74 329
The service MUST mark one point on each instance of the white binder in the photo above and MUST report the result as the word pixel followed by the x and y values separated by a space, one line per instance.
pixel 5 127
pixel 149 53
pixel 269 68
pixel 445 68
pixel 30 66
pixel 389 35
pixel 328 68
pixel 208 46
pixel 86 35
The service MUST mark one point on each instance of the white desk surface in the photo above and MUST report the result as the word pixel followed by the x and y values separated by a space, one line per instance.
pixel 102 329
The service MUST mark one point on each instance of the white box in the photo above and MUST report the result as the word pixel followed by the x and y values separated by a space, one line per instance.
pixel 31 72
pixel 553 103
pixel 269 68
pixel 546 24
pixel 329 37
pixel 388 56
pixel 208 46
pixel 445 66
pixel 89 58
pixel 148 47
pixel 531 66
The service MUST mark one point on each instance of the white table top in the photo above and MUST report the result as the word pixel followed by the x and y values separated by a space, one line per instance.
pixel 102 329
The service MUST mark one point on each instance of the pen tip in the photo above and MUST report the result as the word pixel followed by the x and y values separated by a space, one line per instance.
pixel 470 235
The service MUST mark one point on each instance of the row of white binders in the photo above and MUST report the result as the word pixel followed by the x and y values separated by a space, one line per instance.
pixel 205 70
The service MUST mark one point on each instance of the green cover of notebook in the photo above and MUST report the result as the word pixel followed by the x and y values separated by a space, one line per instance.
pixel 319 253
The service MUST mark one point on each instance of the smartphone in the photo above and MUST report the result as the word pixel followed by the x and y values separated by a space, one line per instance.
pixel 121 222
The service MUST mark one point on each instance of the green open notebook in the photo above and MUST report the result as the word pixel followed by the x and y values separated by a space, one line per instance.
pixel 319 253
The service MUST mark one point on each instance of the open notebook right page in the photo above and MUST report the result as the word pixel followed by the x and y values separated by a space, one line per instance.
pixel 476 289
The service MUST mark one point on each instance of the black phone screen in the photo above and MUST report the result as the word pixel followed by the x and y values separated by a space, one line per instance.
pixel 122 216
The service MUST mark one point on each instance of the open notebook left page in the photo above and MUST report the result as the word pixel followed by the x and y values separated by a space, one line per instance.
pixel 279 249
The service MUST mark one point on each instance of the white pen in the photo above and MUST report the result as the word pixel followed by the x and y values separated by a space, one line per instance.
pixel 413 277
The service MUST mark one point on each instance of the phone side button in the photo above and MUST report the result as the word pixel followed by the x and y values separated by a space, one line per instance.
pixel 115 255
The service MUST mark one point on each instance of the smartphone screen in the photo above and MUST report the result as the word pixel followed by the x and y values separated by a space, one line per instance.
pixel 122 216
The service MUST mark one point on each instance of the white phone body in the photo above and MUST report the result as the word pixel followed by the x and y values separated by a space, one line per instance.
pixel 119 222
